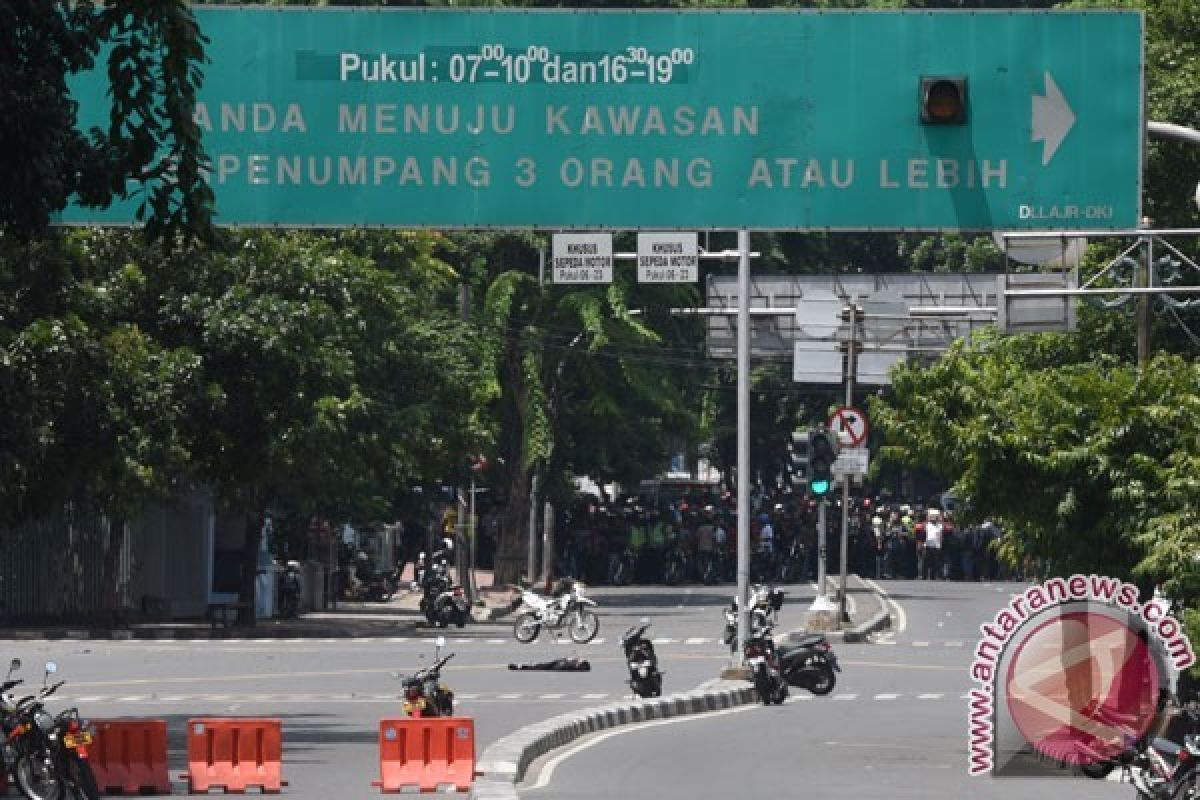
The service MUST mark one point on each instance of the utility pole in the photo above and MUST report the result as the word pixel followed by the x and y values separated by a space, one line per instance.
pixel 851 372
pixel 1145 279
pixel 743 440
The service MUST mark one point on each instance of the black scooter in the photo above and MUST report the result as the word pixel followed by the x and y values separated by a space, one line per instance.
pixel 810 664
pixel 644 678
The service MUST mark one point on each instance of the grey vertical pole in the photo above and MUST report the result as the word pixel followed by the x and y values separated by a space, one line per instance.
pixel 851 371
pixel 531 564
pixel 472 589
pixel 1144 279
pixel 821 553
pixel 743 437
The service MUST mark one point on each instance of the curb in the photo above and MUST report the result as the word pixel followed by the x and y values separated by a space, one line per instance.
pixel 880 620
pixel 198 633
pixel 503 764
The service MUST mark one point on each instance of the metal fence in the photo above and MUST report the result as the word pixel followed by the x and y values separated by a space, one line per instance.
pixel 52 569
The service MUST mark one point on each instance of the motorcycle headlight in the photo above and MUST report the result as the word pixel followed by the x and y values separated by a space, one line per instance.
pixel 44 721
pixel 644 671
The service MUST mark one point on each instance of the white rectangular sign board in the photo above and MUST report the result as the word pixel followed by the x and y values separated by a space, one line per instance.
pixel 851 461
pixel 816 362
pixel 668 258
pixel 583 258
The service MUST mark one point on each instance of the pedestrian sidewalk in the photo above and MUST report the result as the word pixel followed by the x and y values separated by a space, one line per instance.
pixel 347 620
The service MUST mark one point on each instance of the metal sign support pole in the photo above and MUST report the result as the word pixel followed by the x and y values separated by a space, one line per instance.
pixel 851 368
pixel 821 553
pixel 743 440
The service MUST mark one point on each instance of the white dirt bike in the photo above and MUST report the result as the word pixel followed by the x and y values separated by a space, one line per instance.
pixel 568 608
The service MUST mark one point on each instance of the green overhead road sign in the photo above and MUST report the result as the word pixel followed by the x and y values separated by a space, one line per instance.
pixel 668 119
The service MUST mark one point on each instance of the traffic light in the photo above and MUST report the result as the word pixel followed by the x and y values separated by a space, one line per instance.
pixel 797 466
pixel 943 101
pixel 822 451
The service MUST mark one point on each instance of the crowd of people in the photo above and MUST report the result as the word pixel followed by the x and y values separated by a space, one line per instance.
pixel 694 539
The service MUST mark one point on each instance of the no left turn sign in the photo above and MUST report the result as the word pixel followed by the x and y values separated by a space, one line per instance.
pixel 852 422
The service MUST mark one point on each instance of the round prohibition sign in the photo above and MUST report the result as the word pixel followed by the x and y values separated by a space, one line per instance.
pixel 852 422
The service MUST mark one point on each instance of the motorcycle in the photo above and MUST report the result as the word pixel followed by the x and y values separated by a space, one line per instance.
pixel 290 591
pixel 677 567
pixel 620 568
pixel 810 664
pixel 424 693
pixel 443 602
pixel 791 562
pixel 1158 768
pixel 760 656
pixel 765 604
pixel 569 607
pixel 47 755
pixel 644 677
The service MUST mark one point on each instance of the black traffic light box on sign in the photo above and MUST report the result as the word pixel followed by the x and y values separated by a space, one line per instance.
pixel 943 100
pixel 822 452
pixel 797 466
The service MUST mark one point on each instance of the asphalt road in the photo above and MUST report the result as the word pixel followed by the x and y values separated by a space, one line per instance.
pixel 331 694
pixel 895 726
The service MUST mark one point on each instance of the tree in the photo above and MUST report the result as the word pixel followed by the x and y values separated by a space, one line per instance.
pixel 154 50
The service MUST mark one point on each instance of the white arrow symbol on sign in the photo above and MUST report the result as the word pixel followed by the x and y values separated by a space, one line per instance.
pixel 1052 119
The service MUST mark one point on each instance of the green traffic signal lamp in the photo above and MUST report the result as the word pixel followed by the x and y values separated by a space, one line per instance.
pixel 822 451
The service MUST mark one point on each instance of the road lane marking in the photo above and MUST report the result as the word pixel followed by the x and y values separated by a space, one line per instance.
pixel 516 696
pixel 886 696
pixel 845 697
pixel 954 644
pixel 931 696
pixel 595 696
pixel 920 644
pixel 556 696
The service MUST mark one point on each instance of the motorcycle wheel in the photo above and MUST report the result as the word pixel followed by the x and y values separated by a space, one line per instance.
pixel 81 780
pixel 461 619
pixel 824 682
pixel 781 692
pixel 656 685
pixel 36 779
pixel 1098 771
pixel 526 628
pixel 583 626
pixel 762 686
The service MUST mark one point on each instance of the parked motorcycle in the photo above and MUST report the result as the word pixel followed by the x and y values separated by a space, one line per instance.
pixel 644 677
pixel 620 568
pixel 46 754
pixel 1159 768
pixel 443 602
pixel 290 591
pixel 424 693
pixel 676 567
pixel 810 664
pixel 760 656
pixel 791 562
pixel 765 604
pixel 567 608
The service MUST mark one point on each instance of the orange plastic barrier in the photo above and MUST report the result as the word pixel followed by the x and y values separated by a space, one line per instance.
pixel 129 756
pixel 234 753
pixel 427 753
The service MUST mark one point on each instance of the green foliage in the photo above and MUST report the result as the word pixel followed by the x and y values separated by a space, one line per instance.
pixel 1088 463
pixel 153 50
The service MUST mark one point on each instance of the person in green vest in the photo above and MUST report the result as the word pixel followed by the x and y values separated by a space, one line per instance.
pixel 656 543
